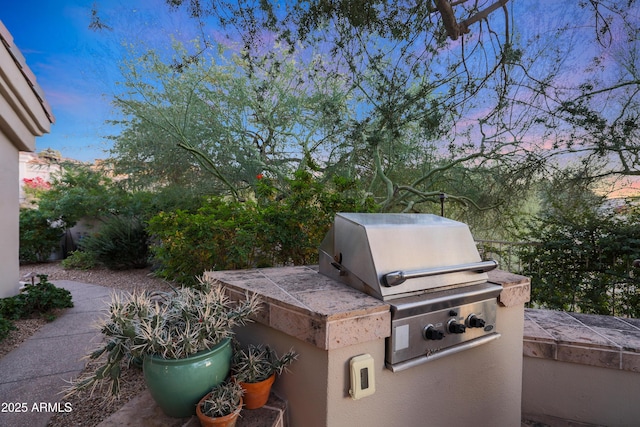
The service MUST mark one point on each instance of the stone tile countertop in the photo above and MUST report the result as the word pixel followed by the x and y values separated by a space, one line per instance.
pixel 589 339
pixel 307 305
pixel 314 308
pixel 516 289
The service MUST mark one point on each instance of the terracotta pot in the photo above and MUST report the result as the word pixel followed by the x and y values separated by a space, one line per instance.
pixel 257 394
pixel 226 421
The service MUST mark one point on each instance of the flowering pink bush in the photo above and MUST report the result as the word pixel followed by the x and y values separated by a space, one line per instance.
pixel 36 183
pixel 34 188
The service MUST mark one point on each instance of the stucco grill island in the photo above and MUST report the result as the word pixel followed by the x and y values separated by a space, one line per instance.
pixel 391 292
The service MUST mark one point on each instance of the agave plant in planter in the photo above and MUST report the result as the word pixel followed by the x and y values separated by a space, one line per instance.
pixel 183 338
pixel 255 368
pixel 221 406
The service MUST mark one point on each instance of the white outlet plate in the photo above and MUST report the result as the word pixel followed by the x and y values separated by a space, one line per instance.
pixel 362 376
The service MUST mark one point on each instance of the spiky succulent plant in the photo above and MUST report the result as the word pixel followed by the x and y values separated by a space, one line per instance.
pixel 172 325
pixel 257 363
pixel 223 399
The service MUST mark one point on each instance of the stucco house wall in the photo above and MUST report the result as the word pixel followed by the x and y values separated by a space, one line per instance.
pixel 24 115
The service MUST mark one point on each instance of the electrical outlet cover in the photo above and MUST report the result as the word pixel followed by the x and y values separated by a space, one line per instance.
pixel 362 376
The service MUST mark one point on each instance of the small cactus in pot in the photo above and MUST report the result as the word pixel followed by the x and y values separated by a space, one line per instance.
pixel 255 368
pixel 221 406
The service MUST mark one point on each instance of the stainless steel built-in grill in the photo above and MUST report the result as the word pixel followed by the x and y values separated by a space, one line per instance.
pixel 428 269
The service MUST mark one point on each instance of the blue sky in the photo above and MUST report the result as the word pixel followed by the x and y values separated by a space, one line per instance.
pixel 54 38
pixel 77 67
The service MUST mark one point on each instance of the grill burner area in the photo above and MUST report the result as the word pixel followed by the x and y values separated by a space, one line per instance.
pixel 440 323
pixel 430 272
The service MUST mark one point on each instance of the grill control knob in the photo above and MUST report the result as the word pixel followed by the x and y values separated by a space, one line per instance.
pixel 455 327
pixel 431 333
pixel 474 321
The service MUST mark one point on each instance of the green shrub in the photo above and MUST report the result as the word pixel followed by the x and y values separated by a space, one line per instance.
pixel 43 297
pixel 121 243
pixel 37 237
pixel 280 228
pixel 80 192
pixel 39 299
pixel 12 308
pixel 220 235
pixel 6 326
pixel 295 223
pixel 584 263
pixel 79 260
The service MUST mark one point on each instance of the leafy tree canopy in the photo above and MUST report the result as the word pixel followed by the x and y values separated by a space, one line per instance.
pixel 79 192
pixel 221 117
pixel 418 98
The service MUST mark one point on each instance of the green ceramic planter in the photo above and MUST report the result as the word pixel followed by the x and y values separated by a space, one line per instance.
pixel 178 384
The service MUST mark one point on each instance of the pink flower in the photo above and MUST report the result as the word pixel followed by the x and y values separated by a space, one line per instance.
pixel 37 183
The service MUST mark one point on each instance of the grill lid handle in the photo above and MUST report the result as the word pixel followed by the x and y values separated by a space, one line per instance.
pixel 396 278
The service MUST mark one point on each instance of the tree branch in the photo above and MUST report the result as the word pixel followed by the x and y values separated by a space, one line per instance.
pixel 454 30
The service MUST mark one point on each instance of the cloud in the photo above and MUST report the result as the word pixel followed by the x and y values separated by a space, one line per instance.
pixel 64 99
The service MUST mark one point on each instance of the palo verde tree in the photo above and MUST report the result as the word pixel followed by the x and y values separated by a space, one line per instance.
pixel 222 117
pixel 468 98
pixel 509 87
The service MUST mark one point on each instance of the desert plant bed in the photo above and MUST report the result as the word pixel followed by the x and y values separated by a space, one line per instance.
pixel 90 411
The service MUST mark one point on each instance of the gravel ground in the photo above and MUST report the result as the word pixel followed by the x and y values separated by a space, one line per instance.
pixel 24 329
pixel 88 410
pixel 127 280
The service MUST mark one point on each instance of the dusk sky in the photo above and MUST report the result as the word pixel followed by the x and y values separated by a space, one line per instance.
pixel 77 67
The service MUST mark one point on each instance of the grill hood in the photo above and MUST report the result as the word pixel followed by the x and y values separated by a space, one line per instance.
pixel 398 255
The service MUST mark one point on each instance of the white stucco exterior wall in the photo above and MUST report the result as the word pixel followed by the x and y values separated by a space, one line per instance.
pixel 24 115
pixel 9 219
